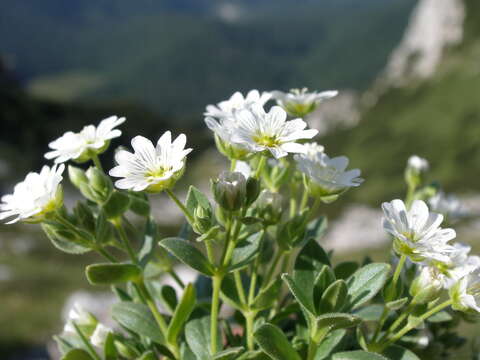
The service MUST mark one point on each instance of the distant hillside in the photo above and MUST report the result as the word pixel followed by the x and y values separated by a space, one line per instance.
pixel 177 55
pixel 438 118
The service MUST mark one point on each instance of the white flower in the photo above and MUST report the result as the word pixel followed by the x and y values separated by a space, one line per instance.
pixel 243 168
pixel 417 163
pixel 417 231
pixel 76 146
pixel 151 168
pixel 327 175
pixel 447 205
pixel 300 102
pixel 312 149
pixel 427 285
pixel 100 334
pixel 465 294
pixel 461 264
pixel 34 197
pixel 80 317
pixel 226 109
pixel 259 131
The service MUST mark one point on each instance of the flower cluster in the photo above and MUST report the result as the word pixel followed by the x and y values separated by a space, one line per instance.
pixel 255 240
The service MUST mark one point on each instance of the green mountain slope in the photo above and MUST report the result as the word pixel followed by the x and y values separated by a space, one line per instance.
pixel 438 119
pixel 175 57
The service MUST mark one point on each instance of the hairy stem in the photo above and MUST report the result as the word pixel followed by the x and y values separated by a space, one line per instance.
pixel 180 205
pixel 217 283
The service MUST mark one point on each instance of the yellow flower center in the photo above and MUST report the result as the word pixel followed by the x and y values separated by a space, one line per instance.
pixel 266 140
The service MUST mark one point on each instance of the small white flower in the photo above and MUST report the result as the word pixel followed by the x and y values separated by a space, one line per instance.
pixel 466 293
pixel 417 231
pixel 300 102
pixel 226 109
pixel 260 131
pixel 427 285
pixel 100 334
pixel 80 317
pixel 417 163
pixel 328 176
pixel 34 197
pixel 76 146
pixel 313 149
pixel 447 205
pixel 151 168
pixel 461 264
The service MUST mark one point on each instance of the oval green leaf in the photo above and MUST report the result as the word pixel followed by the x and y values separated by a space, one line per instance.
pixel 107 274
pixel 274 343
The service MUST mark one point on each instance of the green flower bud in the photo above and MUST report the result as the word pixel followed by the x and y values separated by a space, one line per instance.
pixel 77 176
pixel 427 286
pixel 269 207
pixel 100 184
pixel 230 151
pixel 253 190
pixel 230 190
pixel 203 220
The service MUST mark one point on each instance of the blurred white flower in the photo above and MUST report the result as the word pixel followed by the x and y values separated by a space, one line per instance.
pixel 260 131
pixel 34 197
pixel 312 149
pixel 465 294
pixel 447 205
pixel 417 163
pixel 76 146
pixel 99 336
pixel 461 264
pixel 151 168
pixel 417 232
pixel 328 176
pixel 226 109
pixel 243 168
pixel 80 317
pixel 300 102
pixel 427 285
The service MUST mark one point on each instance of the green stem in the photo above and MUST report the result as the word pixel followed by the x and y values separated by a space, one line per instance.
pixel 85 341
pixel 239 286
pixel 180 205
pixel 233 164
pixel 381 322
pixel 107 255
pixel 312 349
pixel 409 327
pixel 96 161
pixel 304 201
pixel 153 307
pixel 177 279
pixel 260 166
pixel 398 270
pixel 217 283
pixel 293 205
pixel 249 321
pixel 400 319
pixel 210 252
pixel 314 208
pixel 273 267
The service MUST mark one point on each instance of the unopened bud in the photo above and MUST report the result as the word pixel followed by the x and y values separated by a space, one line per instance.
pixel 269 206
pixel 426 286
pixel 253 190
pixel 229 190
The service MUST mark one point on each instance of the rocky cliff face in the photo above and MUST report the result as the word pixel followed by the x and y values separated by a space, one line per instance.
pixel 434 26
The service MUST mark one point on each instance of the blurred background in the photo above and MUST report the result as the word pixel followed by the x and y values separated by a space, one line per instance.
pixel 408 72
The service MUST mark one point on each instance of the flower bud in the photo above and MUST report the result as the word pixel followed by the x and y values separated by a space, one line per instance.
pixel 416 166
pixel 426 286
pixel 202 220
pixel 269 207
pixel 100 184
pixel 229 150
pixel 99 336
pixel 229 190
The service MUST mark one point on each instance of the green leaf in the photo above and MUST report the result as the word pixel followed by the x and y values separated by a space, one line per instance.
pixel 357 355
pixel 322 281
pixel 77 354
pixel 103 229
pixel 182 312
pixel 370 313
pixel 245 251
pixel 334 298
pixel 196 198
pixel 107 273
pixel 330 344
pixel 169 297
pixel 396 352
pixel 116 204
pixel 137 318
pixel 109 349
pixel 229 292
pixel 300 294
pixel 188 254
pixel 148 246
pixel 63 244
pixel 334 321
pixel 228 354
pixel 197 334
pixel 274 343
pixel 149 355
pixel 442 316
pixel 366 282
pixel 267 296
pixel 397 304
pixel 139 203
pixel 345 269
